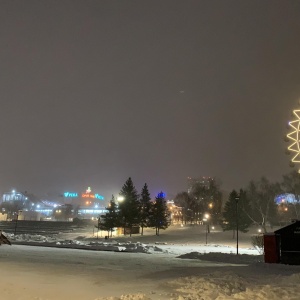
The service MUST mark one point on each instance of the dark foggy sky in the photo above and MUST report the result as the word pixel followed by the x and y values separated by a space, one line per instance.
pixel 93 92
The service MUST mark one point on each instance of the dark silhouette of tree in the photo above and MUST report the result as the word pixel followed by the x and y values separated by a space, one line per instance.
pixel 214 195
pixel 203 197
pixel 110 220
pixel 236 211
pixel 184 201
pixel 291 185
pixel 261 196
pixel 160 216
pixel 145 208
pixel 129 208
pixel 102 226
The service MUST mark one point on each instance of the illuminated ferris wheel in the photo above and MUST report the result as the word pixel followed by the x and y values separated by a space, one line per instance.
pixel 294 138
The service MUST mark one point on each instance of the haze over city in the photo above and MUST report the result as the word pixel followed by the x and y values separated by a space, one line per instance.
pixel 93 92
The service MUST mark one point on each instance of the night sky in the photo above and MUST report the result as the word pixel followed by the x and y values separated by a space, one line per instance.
pixel 93 92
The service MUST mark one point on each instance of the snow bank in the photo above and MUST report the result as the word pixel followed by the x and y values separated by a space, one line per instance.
pixel 221 286
pixel 112 245
pixel 224 286
pixel 127 297
pixel 127 246
pixel 224 257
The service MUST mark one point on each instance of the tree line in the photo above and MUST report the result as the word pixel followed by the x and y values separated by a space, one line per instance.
pixel 200 200
pixel 255 203
pixel 133 210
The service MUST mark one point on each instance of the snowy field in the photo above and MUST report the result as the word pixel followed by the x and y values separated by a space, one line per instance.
pixel 176 265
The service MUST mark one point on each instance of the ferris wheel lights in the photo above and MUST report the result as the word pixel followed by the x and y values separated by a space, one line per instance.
pixel 291 124
pixel 294 138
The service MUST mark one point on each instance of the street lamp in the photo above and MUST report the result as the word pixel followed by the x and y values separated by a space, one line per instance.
pixel 120 199
pixel 206 217
pixel 237 198
pixel 16 224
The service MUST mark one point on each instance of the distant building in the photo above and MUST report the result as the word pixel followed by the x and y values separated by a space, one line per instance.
pixel 86 205
pixel 13 196
pixel 176 215
pixel 3 217
pixel 29 216
pixel 88 212
pixel 202 181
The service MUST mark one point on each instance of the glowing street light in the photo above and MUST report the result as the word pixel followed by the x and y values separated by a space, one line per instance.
pixel 120 199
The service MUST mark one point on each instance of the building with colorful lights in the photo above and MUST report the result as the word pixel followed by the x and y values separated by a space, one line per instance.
pixel 89 204
pixel 86 205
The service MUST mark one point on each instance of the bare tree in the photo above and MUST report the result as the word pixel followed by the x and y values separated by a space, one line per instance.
pixel 291 185
pixel 262 200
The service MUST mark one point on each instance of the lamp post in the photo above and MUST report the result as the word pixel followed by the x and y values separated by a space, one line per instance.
pixel 121 199
pixel 16 224
pixel 237 198
pixel 206 227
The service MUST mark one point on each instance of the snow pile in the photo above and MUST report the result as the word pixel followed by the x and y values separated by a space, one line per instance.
pixel 181 249
pixel 225 286
pixel 127 297
pixel 194 250
pixel 221 286
pixel 112 245
pixel 70 242
pixel 209 287
pixel 224 257
pixel 29 238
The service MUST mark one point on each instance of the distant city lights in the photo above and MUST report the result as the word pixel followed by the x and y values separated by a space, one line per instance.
pixel 88 194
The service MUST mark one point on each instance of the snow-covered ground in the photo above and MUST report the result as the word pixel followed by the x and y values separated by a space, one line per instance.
pixel 176 265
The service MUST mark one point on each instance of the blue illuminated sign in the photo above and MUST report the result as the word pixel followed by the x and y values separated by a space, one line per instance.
pixel 70 195
pixel 88 194
pixel 97 196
